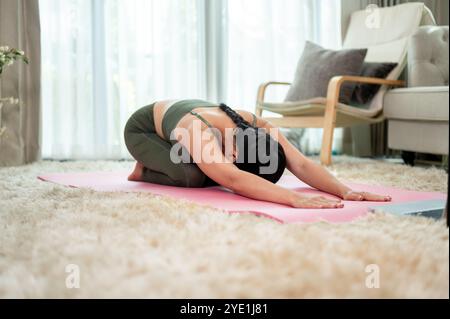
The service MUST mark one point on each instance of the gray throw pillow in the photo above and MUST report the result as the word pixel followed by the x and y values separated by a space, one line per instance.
pixel 364 92
pixel 317 66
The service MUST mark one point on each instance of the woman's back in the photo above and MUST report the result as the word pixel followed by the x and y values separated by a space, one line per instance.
pixel 170 114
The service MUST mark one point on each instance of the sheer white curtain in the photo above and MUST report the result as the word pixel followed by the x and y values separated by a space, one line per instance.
pixel 103 59
pixel 265 41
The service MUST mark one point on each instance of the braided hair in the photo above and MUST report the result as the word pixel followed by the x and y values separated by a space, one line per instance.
pixel 248 140
pixel 237 119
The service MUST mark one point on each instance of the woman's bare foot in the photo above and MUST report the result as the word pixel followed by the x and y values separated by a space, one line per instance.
pixel 136 175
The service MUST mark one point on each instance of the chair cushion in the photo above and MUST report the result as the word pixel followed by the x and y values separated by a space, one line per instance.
pixel 345 115
pixel 315 106
pixel 317 66
pixel 373 26
pixel 379 30
pixel 418 103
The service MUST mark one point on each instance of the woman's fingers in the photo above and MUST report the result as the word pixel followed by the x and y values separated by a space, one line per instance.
pixel 360 196
pixel 376 198
pixel 325 202
pixel 323 198
pixel 328 203
pixel 318 202
pixel 331 204
pixel 354 196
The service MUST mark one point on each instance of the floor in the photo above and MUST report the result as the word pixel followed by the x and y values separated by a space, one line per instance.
pixel 138 245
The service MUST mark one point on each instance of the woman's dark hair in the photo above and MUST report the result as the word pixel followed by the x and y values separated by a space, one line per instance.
pixel 258 152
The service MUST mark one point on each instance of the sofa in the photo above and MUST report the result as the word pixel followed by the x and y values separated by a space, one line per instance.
pixel 418 114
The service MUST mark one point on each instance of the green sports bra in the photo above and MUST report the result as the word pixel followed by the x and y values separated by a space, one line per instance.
pixel 174 114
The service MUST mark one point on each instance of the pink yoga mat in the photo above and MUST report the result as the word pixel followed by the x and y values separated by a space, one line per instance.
pixel 221 198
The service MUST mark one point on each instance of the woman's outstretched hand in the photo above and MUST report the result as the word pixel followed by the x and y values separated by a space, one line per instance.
pixel 361 196
pixel 301 201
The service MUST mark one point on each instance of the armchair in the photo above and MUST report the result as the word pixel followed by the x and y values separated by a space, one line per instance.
pixel 327 112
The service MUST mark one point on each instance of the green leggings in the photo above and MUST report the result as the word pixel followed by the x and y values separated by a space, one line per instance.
pixel 154 153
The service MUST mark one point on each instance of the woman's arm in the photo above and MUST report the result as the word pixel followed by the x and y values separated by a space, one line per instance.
pixel 312 173
pixel 220 169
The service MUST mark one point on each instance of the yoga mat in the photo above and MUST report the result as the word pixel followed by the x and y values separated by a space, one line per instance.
pixel 221 198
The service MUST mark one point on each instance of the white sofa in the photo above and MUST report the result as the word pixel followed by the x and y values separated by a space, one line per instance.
pixel 418 115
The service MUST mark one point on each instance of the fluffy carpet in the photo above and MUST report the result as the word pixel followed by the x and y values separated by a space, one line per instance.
pixel 144 246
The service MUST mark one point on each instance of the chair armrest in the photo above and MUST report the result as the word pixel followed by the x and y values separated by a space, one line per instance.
pixel 334 87
pixel 362 79
pixel 262 91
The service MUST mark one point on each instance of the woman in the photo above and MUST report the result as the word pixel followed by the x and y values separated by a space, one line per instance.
pixel 235 149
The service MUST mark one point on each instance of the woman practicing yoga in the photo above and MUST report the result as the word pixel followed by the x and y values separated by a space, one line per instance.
pixel 194 143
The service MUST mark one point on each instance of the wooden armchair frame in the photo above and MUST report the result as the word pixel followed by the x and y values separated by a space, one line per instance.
pixel 328 120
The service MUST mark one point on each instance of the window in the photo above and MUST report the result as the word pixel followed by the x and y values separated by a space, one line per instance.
pixel 103 59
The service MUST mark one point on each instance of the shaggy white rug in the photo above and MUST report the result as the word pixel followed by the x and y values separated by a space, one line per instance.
pixel 139 245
